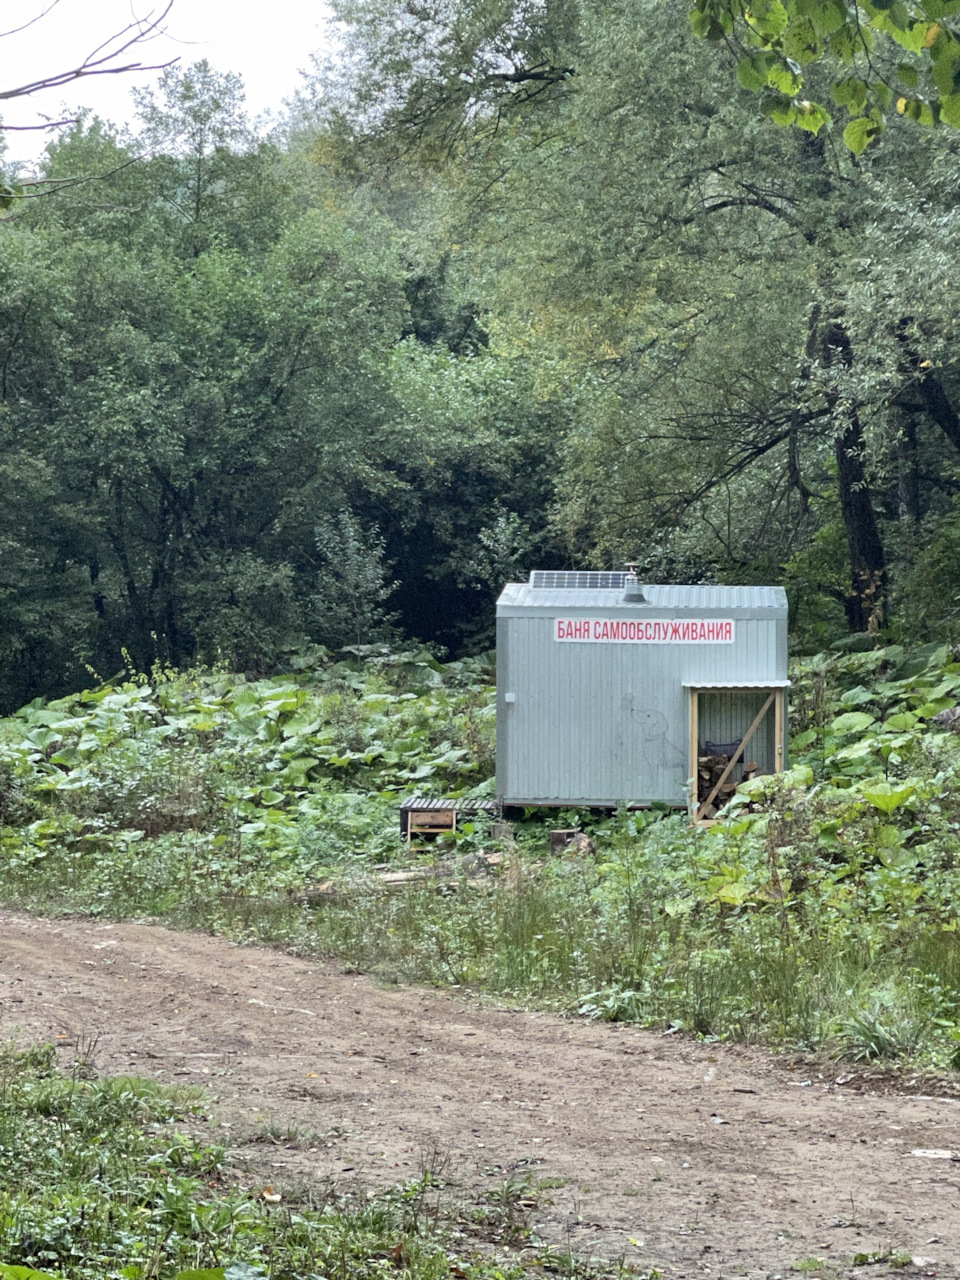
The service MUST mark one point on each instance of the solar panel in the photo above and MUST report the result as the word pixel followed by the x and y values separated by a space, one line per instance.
pixel 577 579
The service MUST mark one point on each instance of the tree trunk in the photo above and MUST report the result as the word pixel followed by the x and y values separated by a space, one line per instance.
pixel 932 392
pixel 866 603
pixel 140 639
pixel 940 408
pixel 908 477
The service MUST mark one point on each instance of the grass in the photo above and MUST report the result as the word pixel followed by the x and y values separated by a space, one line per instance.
pixel 115 1179
pixel 630 939
pixel 821 915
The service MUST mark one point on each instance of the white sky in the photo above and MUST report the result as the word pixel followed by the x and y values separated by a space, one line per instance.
pixel 266 41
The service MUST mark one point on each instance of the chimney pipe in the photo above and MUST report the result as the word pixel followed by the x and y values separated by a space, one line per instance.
pixel 632 590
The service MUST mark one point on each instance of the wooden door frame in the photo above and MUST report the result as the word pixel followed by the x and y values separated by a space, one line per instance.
pixel 778 704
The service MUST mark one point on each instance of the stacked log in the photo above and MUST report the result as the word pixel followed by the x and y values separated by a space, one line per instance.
pixel 711 769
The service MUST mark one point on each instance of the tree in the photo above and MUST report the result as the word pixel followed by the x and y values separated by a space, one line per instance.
pixel 196 414
pixel 194 122
pixel 725 305
pixel 349 604
pixel 109 58
pixel 197 399
pixel 431 73
pixel 873 53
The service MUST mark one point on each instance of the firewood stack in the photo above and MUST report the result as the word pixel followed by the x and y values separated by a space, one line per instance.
pixel 712 764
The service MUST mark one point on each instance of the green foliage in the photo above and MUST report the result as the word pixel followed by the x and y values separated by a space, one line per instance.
pixel 755 330
pixel 784 41
pixel 523 284
pixel 930 590
pixel 188 787
pixel 102 1180
pixel 580 311
pixel 95 1176
pixel 349 605
pixel 221 409
pixel 821 912
pixel 446 69
pixel 10 193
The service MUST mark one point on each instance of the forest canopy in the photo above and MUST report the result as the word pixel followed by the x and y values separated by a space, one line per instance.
pixel 516 284
pixel 876 54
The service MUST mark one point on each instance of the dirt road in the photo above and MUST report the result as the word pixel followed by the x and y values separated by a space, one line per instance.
pixel 700 1159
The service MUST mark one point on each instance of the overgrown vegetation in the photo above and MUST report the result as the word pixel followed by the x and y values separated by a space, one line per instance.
pixel 112 1179
pixel 154 796
pixel 822 913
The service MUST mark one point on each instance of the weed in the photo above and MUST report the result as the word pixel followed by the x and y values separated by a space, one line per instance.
pixel 882 1257
pixel 99 1181
pixel 866 1037
pixel 821 914
pixel 84 1065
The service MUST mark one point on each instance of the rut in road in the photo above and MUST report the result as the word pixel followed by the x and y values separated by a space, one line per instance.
pixel 704 1159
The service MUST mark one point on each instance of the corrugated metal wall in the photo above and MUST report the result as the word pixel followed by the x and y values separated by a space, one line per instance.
pixel 605 724
pixel 724 717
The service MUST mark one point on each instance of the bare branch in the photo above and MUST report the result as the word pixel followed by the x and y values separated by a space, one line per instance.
pixel 52 185
pixel 101 61
pixel 42 14
pixel 24 128
pixel 141 29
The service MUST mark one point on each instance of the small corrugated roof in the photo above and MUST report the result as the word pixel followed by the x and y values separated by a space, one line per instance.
pixel 464 804
pixel 736 684
pixel 660 596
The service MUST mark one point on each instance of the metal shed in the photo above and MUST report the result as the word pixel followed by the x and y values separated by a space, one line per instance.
pixel 609 692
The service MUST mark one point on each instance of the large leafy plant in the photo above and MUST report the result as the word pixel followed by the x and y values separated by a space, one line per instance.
pixel 877 53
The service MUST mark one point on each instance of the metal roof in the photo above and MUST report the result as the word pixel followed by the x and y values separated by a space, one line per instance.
pixel 661 597
pixel 464 804
pixel 736 684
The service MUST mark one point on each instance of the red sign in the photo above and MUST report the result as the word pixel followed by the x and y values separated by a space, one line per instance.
pixel 645 630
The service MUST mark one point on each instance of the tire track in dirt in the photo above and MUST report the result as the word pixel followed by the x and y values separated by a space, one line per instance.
pixel 704 1159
